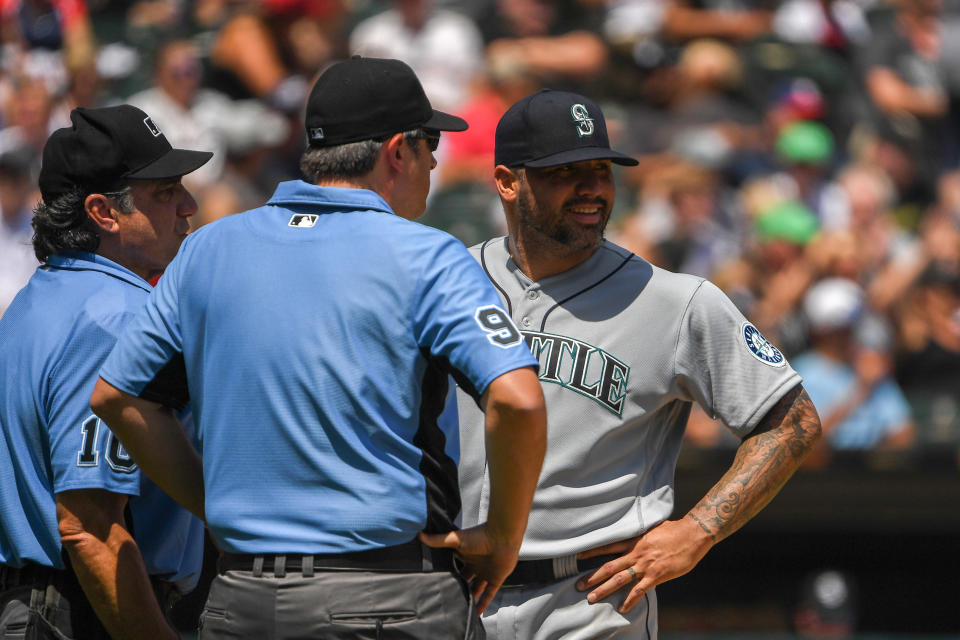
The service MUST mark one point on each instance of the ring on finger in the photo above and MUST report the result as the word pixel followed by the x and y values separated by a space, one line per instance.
pixel 633 573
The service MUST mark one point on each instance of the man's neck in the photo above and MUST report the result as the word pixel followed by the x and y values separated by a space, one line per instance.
pixel 344 184
pixel 540 257
pixel 117 256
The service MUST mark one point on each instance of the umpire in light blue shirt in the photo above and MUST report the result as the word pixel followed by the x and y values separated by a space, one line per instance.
pixel 316 336
pixel 82 534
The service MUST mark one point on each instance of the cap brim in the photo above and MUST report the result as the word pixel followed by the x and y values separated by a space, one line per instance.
pixel 174 163
pixel 445 122
pixel 579 155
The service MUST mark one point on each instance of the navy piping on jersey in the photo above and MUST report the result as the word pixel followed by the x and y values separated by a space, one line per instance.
pixel 438 469
pixel 483 263
pixel 543 324
pixel 169 386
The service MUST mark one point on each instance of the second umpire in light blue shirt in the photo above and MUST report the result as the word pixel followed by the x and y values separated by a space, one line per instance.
pixel 317 336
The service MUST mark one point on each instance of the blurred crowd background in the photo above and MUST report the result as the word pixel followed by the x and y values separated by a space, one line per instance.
pixel 801 154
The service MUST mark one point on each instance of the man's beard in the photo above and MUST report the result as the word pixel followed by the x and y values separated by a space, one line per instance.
pixel 556 226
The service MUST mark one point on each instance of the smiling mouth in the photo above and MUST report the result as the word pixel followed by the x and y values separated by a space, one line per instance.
pixel 587 213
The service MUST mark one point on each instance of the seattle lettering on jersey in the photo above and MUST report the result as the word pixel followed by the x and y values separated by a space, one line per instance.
pixel 581 367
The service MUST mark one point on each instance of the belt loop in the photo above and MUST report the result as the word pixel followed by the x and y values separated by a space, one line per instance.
pixel 279 566
pixel 426 556
pixel 306 568
pixel 51 601
pixel 564 566
pixel 257 566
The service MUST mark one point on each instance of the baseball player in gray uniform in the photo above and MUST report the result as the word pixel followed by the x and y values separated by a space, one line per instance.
pixel 625 348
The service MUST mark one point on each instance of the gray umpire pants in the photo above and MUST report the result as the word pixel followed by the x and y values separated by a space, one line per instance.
pixel 42 603
pixel 340 604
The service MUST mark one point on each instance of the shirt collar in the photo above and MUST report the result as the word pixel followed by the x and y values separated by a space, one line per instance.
pixel 86 261
pixel 300 192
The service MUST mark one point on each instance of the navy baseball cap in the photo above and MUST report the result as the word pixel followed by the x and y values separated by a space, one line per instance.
pixel 107 146
pixel 368 98
pixel 549 128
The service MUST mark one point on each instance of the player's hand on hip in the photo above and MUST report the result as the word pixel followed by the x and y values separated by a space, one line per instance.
pixel 667 551
pixel 487 561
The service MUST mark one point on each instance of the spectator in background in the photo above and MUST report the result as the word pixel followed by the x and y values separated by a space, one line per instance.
pixel 469 154
pixel 465 202
pixel 681 224
pixel 560 42
pixel 244 183
pixel 17 261
pixel 26 119
pixel 270 49
pixel 190 114
pixel 780 271
pixel 443 47
pixel 204 118
pixel 54 25
pixel 833 24
pixel 735 20
pixel 904 82
pixel 804 149
pixel 848 372
pixel 927 316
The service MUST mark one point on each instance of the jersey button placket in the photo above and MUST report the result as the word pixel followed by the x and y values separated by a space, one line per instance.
pixel 528 307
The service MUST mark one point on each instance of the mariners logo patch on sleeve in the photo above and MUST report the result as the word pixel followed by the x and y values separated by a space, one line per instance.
pixel 761 348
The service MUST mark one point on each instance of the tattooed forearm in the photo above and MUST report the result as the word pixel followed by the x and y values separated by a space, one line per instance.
pixel 764 462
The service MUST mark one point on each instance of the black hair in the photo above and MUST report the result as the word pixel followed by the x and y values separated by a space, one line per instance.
pixel 63 224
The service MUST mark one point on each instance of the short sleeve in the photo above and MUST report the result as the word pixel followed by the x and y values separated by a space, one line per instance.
pixel 458 319
pixel 726 365
pixel 84 453
pixel 148 359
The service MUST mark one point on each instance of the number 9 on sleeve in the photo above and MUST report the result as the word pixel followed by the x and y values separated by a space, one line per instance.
pixel 498 326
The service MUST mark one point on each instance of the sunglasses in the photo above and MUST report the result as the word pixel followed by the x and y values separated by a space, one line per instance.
pixel 433 140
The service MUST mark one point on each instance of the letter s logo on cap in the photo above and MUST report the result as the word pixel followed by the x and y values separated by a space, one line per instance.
pixel 154 129
pixel 582 117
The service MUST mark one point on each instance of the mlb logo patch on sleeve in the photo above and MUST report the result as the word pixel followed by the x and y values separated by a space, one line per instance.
pixel 761 348
pixel 303 220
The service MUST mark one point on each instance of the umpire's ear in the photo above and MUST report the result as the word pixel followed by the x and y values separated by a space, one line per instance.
pixel 508 182
pixel 99 210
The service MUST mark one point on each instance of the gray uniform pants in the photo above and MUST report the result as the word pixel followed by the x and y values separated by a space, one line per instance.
pixel 558 611
pixel 48 606
pixel 340 604
pixel 39 603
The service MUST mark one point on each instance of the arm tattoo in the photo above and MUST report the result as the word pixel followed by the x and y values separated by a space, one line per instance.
pixel 764 462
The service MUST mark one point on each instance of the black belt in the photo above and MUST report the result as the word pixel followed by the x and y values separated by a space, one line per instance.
pixel 36 574
pixel 29 573
pixel 411 557
pixel 546 570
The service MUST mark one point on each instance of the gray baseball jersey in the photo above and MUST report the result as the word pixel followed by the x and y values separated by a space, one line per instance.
pixel 624 349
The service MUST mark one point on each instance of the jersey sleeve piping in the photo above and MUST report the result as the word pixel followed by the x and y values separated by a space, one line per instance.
pixel 681 325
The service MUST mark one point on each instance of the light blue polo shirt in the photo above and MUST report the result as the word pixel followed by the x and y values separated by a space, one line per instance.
pixel 318 333
pixel 53 339
pixel 830 384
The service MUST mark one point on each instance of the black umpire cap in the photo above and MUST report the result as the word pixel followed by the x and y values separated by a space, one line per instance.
pixel 368 98
pixel 550 128
pixel 107 146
